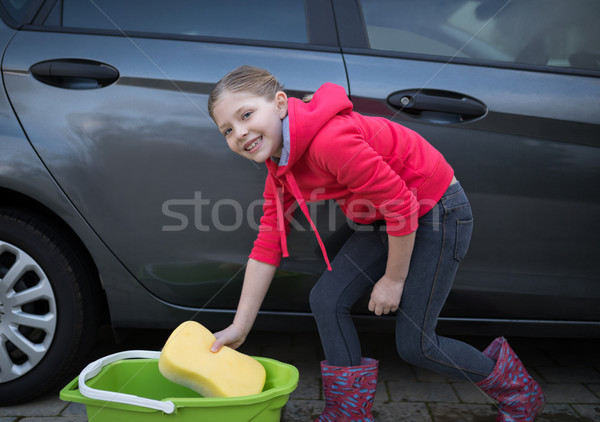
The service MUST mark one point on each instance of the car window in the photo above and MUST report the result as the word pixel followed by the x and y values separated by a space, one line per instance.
pixel 16 11
pixel 267 20
pixel 561 33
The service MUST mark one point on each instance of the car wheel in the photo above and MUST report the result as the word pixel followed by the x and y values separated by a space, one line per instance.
pixel 48 312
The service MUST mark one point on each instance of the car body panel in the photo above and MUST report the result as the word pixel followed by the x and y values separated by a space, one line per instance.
pixel 142 161
pixel 169 214
pixel 530 168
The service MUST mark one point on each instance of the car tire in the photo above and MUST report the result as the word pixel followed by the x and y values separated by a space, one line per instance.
pixel 48 306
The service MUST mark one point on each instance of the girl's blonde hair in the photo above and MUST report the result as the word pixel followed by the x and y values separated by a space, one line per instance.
pixel 250 79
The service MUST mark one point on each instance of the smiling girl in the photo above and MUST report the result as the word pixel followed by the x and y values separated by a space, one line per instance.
pixel 382 175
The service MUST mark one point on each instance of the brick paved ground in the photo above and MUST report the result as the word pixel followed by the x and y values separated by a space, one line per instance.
pixel 568 370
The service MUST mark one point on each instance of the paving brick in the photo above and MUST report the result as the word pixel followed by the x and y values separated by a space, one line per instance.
pixel 590 411
pixel 462 412
pixel 302 410
pixel 48 405
pixel 395 412
pixel 422 392
pixel 569 393
pixel 381 395
pixel 595 388
pixel 396 370
pixel 425 375
pixel 308 389
pixel 308 369
pixel 384 411
pixel 569 374
pixel 469 393
pixel 558 413
pixel 74 409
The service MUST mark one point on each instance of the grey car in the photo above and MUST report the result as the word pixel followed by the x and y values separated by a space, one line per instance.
pixel 121 205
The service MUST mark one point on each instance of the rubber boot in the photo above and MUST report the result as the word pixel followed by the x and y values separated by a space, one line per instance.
pixel 520 398
pixel 349 392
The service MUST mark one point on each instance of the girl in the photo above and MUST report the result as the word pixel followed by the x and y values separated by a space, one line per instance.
pixel 380 173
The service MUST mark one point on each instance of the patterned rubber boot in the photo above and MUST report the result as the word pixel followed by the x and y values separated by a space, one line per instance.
pixel 520 398
pixel 349 392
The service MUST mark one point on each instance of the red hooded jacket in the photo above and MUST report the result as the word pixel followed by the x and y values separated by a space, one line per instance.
pixel 375 169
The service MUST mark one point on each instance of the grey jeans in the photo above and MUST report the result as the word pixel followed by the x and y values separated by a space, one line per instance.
pixel 441 242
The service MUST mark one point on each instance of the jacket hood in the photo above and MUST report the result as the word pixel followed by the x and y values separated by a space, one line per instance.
pixel 307 119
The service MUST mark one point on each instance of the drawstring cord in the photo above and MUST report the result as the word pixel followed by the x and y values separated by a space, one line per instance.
pixel 280 223
pixel 298 196
pixel 279 201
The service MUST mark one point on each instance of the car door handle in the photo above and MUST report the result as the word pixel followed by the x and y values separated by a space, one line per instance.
pixel 436 105
pixel 74 73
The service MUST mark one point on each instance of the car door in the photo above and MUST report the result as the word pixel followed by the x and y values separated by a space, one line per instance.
pixel 113 95
pixel 508 92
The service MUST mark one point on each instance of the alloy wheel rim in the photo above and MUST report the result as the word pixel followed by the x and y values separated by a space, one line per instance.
pixel 28 313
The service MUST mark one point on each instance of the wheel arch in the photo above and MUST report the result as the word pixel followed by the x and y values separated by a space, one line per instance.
pixel 19 201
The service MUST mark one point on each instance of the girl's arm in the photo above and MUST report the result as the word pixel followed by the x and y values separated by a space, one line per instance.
pixel 387 292
pixel 399 254
pixel 257 279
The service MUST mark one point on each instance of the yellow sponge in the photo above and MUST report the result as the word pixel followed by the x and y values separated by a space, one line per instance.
pixel 186 359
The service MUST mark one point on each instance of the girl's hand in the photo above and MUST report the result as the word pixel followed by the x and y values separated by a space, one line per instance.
pixel 231 336
pixel 386 296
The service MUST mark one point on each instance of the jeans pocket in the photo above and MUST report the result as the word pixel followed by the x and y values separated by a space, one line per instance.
pixel 464 229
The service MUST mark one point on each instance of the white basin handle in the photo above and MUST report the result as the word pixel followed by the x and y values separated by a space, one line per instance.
pixel 94 368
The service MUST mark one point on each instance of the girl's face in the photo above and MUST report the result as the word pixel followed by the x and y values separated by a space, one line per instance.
pixel 252 124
